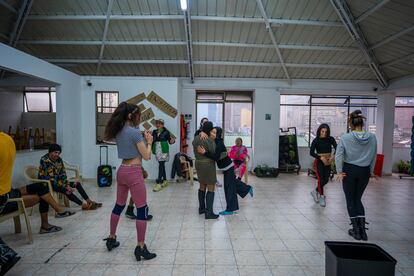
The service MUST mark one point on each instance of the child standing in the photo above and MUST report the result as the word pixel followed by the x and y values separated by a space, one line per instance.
pixel 161 149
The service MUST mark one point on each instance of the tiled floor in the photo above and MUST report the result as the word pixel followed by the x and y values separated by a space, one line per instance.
pixel 278 232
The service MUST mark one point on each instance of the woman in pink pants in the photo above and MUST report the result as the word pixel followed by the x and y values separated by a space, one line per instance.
pixel 238 154
pixel 132 148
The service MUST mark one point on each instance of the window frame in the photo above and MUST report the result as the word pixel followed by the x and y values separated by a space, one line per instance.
pixel 400 107
pixel 101 112
pixel 346 104
pixel 223 101
pixel 40 90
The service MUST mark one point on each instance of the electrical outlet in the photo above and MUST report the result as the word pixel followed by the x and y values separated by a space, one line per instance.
pixel 114 167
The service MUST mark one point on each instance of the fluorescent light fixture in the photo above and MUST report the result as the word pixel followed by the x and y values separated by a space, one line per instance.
pixel 183 4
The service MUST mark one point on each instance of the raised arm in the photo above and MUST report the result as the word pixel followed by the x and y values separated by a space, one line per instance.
pixel 145 149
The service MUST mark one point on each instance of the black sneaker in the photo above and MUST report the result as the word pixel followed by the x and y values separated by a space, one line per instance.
pixel 130 213
pixel 144 253
pixel 111 243
pixel 149 217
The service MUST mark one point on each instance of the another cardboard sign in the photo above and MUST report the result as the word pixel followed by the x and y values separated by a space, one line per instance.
pixel 137 99
pixel 141 107
pixel 147 114
pixel 146 125
pixel 159 102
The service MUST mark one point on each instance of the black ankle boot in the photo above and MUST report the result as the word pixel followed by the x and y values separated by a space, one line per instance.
pixel 111 243
pixel 209 206
pixel 355 231
pixel 144 253
pixel 201 202
pixel 361 224
pixel 130 212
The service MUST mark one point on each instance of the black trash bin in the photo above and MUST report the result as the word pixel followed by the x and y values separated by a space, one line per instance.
pixel 355 259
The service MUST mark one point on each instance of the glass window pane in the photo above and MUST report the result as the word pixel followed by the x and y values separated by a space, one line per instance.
pixel 329 100
pixel 404 101
pixel 335 117
pixel 293 116
pixel 40 89
pixel 37 101
pixel 212 111
pixel 238 123
pixel 363 101
pixel 98 99
pixel 53 97
pixel 403 127
pixel 294 99
pixel 239 96
pixel 210 96
pixel 371 114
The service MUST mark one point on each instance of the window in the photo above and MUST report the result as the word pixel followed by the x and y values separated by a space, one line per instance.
pixel 306 113
pixel 106 103
pixel 39 99
pixel 231 110
pixel 404 112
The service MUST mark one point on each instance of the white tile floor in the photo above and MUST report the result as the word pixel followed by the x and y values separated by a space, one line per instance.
pixel 278 232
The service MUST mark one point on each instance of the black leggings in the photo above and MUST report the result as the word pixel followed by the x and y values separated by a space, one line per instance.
pixel 39 189
pixel 70 195
pixel 322 174
pixel 162 175
pixel 354 184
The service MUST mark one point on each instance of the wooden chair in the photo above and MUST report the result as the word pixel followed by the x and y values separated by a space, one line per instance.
pixel 187 169
pixel 16 217
pixel 31 175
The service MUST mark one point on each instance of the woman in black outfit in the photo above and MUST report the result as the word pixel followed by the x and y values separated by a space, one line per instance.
pixel 200 129
pixel 321 150
pixel 232 185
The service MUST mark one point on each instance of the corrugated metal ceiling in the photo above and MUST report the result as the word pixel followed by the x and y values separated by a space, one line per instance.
pixel 229 38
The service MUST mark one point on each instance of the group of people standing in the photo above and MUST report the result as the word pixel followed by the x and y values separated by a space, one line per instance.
pixel 354 157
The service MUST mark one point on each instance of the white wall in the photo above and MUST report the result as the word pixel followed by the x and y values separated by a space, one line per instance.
pixel 127 87
pixel 11 108
pixel 24 158
pixel 68 96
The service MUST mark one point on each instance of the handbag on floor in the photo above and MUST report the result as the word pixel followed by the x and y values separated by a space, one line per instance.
pixel 8 257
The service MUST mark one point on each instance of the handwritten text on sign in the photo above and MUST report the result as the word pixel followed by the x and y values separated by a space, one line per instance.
pixel 159 102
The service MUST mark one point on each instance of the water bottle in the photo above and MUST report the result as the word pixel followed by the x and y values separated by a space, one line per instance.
pixel 31 143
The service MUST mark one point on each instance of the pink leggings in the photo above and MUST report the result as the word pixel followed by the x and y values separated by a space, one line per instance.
pixel 129 178
pixel 242 167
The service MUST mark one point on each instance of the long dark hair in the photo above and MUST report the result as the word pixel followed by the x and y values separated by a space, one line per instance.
pixel 119 117
pixel 201 122
pixel 356 119
pixel 219 134
pixel 322 126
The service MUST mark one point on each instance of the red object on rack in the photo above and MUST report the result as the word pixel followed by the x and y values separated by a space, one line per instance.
pixel 379 164
pixel 183 135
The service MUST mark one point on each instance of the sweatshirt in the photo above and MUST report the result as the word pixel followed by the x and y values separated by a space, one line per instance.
pixel 356 148
pixel 220 156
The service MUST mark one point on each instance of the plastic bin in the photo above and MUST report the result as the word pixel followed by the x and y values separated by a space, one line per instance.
pixel 354 259
pixel 379 164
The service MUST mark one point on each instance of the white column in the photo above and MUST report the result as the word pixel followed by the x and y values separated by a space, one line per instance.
pixel 266 132
pixel 385 128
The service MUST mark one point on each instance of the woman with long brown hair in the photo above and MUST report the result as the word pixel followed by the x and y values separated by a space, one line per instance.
pixel 132 148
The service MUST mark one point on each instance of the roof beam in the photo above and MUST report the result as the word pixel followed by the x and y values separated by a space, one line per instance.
pixel 189 43
pixel 392 37
pixel 212 62
pixel 105 32
pixel 273 38
pixel 20 22
pixel 4 36
pixel 277 21
pixel 183 43
pixel 8 6
pixel 407 58
pixel 371 10
pixel 344 13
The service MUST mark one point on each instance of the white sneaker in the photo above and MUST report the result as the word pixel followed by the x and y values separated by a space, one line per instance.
pixel 315 196
pixel 322 200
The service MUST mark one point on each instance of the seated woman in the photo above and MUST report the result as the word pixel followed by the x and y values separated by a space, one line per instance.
pixel 232 186
pixel 52 168
pixel 31 195
pixel 238 154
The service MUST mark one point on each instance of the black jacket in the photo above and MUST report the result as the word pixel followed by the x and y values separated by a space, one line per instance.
pixel 220 155
pixel 322 145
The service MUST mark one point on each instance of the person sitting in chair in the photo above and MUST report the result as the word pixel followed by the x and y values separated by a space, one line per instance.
pixel 52 168
pixel 238 154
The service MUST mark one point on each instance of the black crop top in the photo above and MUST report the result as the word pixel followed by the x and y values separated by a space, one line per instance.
pixel 321 146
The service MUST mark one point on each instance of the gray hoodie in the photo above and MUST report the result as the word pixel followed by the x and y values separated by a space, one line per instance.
pixel 357 148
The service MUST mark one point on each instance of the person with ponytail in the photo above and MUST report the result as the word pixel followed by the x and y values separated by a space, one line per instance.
pixel 321 149
pixel 132 148
pixel 355 161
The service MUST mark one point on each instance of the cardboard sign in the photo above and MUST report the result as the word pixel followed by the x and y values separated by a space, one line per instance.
pixel 146 125
pixel 137 99
pixel 147 115
pixel 141 107
pixel 153 122
pixel 159 102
